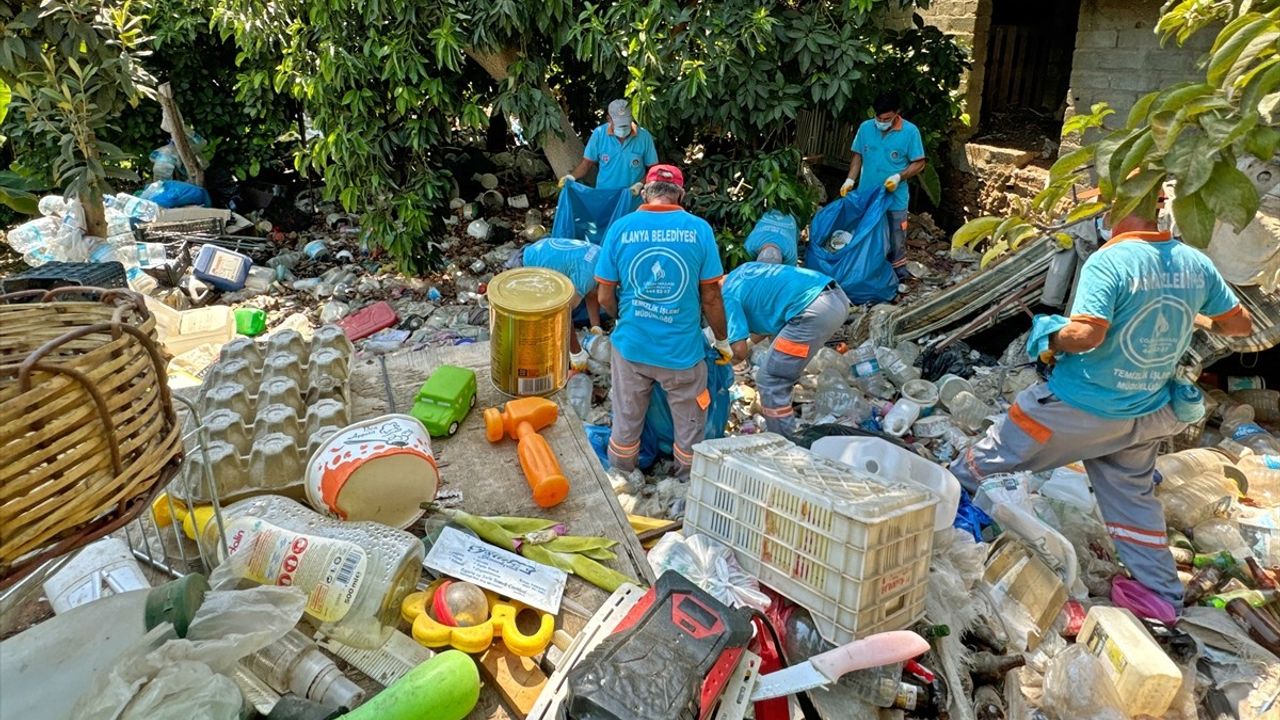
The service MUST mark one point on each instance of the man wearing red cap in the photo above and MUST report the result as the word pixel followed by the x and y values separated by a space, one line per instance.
pixel 659 272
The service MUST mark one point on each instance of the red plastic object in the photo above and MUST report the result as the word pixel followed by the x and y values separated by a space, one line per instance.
pixel 1136 598
pixel 378 316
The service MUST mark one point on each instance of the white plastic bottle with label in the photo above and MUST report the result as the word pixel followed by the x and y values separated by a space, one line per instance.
pixel 355 574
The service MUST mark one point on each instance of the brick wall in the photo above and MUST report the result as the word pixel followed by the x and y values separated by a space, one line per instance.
pixel 1118 57
pixel 969 21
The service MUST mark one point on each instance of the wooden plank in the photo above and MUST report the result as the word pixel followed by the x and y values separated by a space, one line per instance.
pixel 489 476
pixel 517 680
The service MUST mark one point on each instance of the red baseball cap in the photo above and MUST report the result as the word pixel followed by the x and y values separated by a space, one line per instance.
pixel 665 173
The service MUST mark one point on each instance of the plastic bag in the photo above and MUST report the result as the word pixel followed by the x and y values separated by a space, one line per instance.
pixel 1076 687
pixel 585 213
pixel 1006 499
pixel 862 267
pixel 164 676
pixel 175 193
pixel 711 566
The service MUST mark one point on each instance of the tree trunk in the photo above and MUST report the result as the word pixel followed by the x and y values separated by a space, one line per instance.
pixel 171 122
pixel 95 216
pixel 563 152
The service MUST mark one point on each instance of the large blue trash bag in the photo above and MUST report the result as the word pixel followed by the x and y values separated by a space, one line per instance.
pixel 862 267
pixel 585 212
pixel 774 228
pixel 659 431
pixel 175 193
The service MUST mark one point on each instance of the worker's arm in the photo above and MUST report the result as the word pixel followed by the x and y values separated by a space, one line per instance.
pixel 915 168
pixel 712 308
pixel 1079 336
pixel 593 309
pixel 740 351
pixel 855 167
pixel 608 298
pixel 1236 323
pixel 582 169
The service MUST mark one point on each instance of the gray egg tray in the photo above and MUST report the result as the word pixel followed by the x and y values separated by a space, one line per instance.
pixel 265 408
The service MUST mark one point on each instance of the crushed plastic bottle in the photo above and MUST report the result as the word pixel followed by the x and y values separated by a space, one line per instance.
pixel 1219 535
pixel 835 397
pixel 898 370
pixel 333 311
pixel 865 367
pixel 580 389
pixel 34 235
pixel 1249 433
pixel 1263 472
pixel 1194 485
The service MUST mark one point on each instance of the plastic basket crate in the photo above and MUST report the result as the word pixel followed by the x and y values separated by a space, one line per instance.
pixel 66 274
pixel 850 548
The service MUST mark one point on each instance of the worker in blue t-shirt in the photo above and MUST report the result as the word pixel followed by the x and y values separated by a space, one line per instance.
pixel 623 150
pixel 576 260
pixel 1108 401
pixel 773 239
pixel 887 150
pixel 659 271
pixel 800 309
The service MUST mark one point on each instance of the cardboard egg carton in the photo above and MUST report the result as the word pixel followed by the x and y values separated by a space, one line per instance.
pixel 265 408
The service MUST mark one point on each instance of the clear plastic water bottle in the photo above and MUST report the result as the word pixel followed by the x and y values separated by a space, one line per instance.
pixel 866 371
pixel 1247 432
pixel 968 411
pixel 1263 472
pixel 164 160
pixel 33 235
pixel 580 390
pixel 898 370
pixel 52 206
pixel 834 397
pixel 136 207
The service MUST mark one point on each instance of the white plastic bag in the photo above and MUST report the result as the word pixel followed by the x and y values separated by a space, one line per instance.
pixel 1006 500
pixel 711 566
pixel 1076 687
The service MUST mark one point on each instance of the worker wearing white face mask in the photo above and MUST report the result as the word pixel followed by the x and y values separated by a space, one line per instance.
pixel 623 150
pixel 887 150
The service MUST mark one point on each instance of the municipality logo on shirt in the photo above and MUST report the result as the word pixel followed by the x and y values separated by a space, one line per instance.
pixel 1153 338
pixel 659 275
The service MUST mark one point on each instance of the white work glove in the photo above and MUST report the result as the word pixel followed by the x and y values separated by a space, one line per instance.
pixel 891 183
pixel 578 360
pixel 846 187
pixel 635 189
pixel 725 350
pixel 597 330
pixel 567 179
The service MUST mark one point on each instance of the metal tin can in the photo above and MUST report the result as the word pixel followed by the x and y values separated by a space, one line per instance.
pixel 1250 382
pixel 529 322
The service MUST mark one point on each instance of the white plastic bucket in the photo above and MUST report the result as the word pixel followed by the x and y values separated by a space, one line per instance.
pixel 106 567
pixel 883 459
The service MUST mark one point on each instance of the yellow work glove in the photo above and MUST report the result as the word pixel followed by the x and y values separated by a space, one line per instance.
pixel 635 189
pixel 891 183
pixel 726 352
pixel 566 179
pixel 846 186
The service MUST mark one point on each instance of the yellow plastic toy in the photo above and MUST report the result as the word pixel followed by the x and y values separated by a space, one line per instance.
pixel 501 623
pixel 192 520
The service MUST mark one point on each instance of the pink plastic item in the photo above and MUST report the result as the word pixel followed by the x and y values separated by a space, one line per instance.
pixel 1136 598
pixel 368 321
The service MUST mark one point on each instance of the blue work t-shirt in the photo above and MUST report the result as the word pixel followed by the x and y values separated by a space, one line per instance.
pixel 777 229
pixel 760 298
pixel 658 257
pixel 622 162
pixel 1146 289
pixel 575 259
pixel 887 153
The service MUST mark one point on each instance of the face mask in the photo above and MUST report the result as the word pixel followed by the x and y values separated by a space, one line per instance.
pixel 622 133
pixel 883 125
pixel 1103 232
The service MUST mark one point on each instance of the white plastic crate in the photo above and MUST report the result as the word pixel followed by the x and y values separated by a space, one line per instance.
pixel 850 548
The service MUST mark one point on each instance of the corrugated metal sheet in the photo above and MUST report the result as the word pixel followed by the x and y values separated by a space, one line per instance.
pixel 817 133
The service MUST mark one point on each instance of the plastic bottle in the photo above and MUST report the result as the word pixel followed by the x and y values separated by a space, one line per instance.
pixel 164 160
pixel 1265 403
pixel 1249 433
pixel 33 235
pixel 1256 598
pixel 899 371
pixel 865 367
pixel 356 574
pixel 136 207
pixel 1194 485
pixel 1263 472
pixel 580 389
pixel 833 397
pixel 968 411
pixel 1217 535
pixel 901 417
pixel 295 664
pixel 260 278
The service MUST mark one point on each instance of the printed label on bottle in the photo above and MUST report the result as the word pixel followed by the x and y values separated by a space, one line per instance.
pixel 866 368
pixel 1104 648
pixel 329 571
pixel 1271 461
pixel 1246 430
pixel 908 697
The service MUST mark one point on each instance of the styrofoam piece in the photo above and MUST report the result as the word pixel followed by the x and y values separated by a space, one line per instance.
pixel 266 408
pixel 182 330
pixel 851 548
pixel 886 460
pixel 103 568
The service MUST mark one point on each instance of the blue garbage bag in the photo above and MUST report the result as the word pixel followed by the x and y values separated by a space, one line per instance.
pixel 585 212
pixel 598 436
pixel 778 229
pixel 659 431
pixel 862 267
pixel 970 518
pixel 175 193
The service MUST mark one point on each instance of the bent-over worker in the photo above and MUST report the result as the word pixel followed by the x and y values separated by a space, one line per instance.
pixel 622 149
pixel 659 272
pixel 576 260
pixel 801 309
pixel 1107 401
pixel 887 150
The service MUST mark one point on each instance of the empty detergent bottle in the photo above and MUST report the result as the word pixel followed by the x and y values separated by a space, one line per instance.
pixel 295 664
pixel 522 419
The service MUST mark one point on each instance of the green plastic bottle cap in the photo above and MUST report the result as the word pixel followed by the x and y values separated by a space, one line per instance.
pixel 176 602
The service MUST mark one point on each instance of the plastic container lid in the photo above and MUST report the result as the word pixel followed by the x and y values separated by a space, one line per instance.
pixel 176 602
pixel 530 290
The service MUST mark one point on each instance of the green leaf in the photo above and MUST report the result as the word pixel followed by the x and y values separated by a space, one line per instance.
pixel 931 183
pixel 1138 195
pixel 1107 147
pixel 995 252
pixel 1084 212
pixel 1199 168
pixel 1231 195
pixel 1071 162
pixel 974 230
pixel 1195 219
pixel 5 96
pixel 1225 56
pixel 1262 142
pixel 1138 113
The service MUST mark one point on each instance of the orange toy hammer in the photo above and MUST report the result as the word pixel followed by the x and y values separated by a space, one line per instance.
pixel 522 419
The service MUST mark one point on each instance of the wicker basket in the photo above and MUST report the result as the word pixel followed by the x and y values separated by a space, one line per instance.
pixel 88 431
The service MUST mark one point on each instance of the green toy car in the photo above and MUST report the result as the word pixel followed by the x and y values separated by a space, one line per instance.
pixel 445 399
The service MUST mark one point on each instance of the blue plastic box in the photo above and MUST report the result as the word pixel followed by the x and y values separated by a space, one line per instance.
pixel 222 268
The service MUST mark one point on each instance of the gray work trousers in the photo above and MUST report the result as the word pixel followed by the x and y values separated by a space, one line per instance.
pixel 1041 432
pixel 687 397
pixel 898 242
pixel 790 352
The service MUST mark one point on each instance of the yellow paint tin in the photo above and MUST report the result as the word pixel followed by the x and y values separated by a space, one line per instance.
pixel 529 320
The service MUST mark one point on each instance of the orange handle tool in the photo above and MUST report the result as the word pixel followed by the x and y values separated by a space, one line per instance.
pixel 541 468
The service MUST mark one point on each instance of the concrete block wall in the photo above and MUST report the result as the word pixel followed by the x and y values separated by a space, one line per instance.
pixel 1118 57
